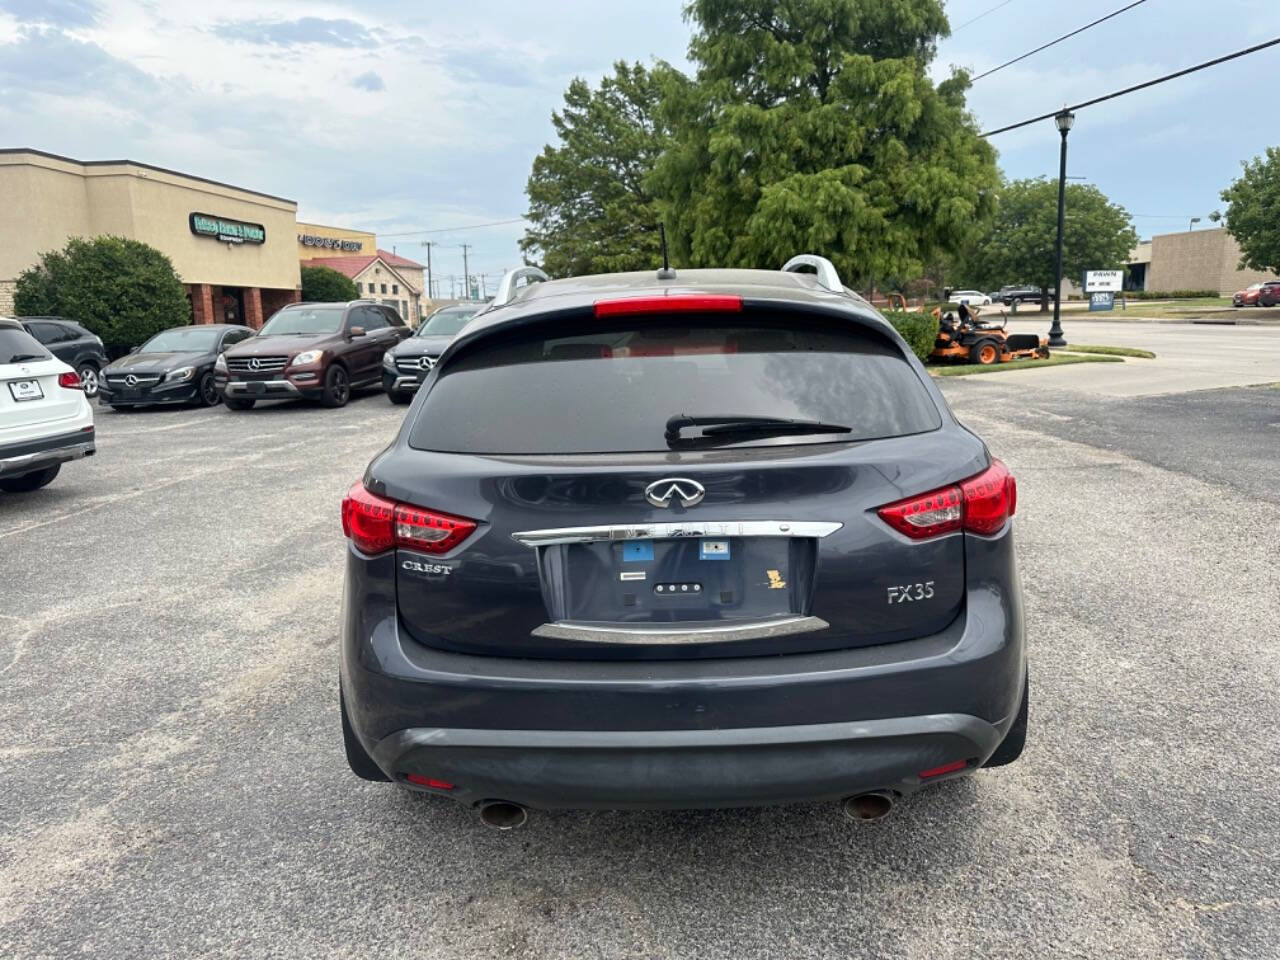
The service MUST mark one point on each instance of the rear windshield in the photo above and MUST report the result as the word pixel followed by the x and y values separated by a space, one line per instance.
pixel 613 388
pixel 18 345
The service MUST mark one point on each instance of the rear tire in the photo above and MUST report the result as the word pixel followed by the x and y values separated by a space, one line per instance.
pixel 985 352
pixel 88 374
pixel 358 759
pixel 337 387
pixel 237 403
pixel 30 481
pixel 1010 748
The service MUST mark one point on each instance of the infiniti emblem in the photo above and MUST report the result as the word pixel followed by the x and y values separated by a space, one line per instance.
pixel 255 363
pixel 661 492
pixel 131 381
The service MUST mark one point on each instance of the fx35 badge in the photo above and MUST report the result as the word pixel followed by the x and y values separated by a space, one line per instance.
pixel 911 592
pixel 421 566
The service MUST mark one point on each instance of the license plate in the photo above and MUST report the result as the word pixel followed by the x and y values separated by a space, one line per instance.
pixel 257 386
pixel 26 390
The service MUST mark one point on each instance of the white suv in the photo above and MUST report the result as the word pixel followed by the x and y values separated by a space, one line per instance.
pixel 45 419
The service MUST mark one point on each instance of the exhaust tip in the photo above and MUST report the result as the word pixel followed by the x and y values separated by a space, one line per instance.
pixel 867 806
pixel 503 815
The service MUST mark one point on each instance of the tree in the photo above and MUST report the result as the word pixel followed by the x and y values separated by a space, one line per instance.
pixel 1253 212
pixel 123 290
pixel 326 285
pixel 1018 246
pixel 813 126
pixel 590 206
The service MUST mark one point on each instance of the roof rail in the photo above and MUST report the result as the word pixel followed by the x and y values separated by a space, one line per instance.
pixel 826 270
pixel 507 286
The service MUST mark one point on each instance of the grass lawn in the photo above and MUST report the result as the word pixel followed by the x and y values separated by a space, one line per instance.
pixel 1108 351
pixel 1056 360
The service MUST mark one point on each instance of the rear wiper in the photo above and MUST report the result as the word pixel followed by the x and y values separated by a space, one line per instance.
pixel 731 427
pixel 21 357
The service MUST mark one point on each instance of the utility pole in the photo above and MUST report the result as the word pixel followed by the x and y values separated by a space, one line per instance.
pixel 466 272
pixel 430 289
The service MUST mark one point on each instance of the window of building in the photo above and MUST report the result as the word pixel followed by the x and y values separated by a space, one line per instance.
pixel 395 288
pixel 373 287
pixel 384 288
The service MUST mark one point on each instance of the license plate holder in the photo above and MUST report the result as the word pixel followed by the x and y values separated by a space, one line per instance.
pixel 24 390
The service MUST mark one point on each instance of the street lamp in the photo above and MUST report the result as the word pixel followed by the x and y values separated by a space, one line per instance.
pixel 1064 121
pixel 1194 221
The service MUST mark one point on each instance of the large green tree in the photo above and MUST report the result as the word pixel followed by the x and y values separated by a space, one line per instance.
pixel 1018 245
pixel 591 209
pixel 123 290
pixel 813 125
pixel 326 285
pixel 1253 212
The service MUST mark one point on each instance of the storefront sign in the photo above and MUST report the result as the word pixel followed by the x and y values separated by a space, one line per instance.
pixel 1103 281
pixel 329 243
pixel 228 231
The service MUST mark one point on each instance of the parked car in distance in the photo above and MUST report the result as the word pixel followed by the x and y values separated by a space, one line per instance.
pixel 630 549
pixel 72 344
pixel 407 364
pixel 970 298
pixel 1248 297
pixel 174 366
pixel 1269 295
pixel 1019 294
pixel 45 420
pixel 317 351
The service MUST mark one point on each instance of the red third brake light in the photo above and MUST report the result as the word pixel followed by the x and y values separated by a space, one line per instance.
pixel 70 380
pixel 375 524
pixel 981 504
pixel 676 303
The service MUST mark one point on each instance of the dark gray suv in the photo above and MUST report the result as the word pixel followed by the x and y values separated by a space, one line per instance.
pixel 703 540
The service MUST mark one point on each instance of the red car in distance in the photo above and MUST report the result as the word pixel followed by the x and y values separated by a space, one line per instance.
pixel 1248 297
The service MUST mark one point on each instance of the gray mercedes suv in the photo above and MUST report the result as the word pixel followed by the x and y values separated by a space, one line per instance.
pixel 703 539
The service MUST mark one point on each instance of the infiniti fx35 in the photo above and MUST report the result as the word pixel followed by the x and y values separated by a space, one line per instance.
pixel 706 540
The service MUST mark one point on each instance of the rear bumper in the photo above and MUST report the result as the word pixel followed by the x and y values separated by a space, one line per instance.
pixel 688 768
pixel 17 459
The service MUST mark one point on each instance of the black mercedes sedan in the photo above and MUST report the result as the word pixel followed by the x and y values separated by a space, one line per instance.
pixel 174 366
pixel 407 364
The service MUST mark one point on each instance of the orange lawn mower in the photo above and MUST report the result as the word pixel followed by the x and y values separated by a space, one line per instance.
pixel 967 339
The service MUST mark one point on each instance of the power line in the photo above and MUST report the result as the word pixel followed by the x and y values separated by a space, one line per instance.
pixel 980 16
pixel 1140 86
pixel 470 226
pixel 1065 36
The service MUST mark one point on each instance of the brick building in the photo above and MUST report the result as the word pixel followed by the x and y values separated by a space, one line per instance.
pixel 1191 260
pixel 236 250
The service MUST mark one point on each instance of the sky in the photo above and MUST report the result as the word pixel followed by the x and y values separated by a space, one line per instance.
pixel 404 117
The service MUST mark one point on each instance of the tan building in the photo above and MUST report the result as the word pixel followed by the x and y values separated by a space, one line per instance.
pixel 316 240
pixel 235 249
pixel 385 277
pixel 1193 260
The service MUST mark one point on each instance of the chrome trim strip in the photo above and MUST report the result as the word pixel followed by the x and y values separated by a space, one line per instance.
pixel 676 531
pixel 639 633
pixel 241 388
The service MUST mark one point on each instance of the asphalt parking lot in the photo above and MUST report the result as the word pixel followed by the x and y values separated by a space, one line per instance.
pixel 174 783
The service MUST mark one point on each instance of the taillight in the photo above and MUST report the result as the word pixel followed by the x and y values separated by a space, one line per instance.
pixel 70 380
pixel 676 303
pixel 981 504
pixel 375 524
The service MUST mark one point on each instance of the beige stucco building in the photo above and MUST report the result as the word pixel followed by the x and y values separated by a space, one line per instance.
pixel 236 250
pixel 1192 260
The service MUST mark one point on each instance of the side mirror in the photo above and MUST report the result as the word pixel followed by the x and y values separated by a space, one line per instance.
pixel 355 332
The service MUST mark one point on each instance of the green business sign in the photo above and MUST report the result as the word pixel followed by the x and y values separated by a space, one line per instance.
pixel 229 231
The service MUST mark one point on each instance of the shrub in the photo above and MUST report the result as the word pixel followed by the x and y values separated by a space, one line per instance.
pixel 1167 294
pixel 123 290
pixel 920 330
pixel 325 285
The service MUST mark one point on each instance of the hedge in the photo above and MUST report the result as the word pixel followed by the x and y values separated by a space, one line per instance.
pixel 1168 294
pixel 920 330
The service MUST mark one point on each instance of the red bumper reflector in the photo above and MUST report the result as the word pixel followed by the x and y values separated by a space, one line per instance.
pixel 945 768
pixel 422 781
pixel 675 303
